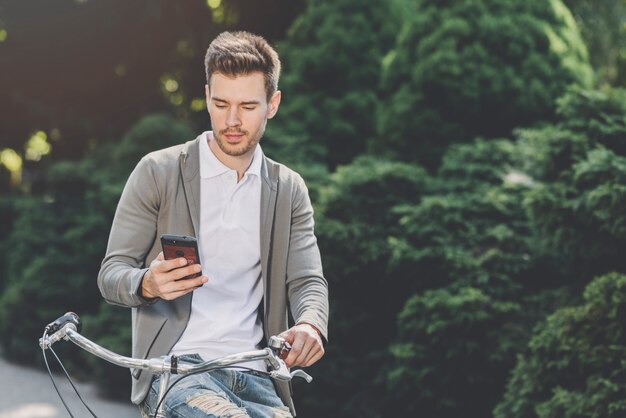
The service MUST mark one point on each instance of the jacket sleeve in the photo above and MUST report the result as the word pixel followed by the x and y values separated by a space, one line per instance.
pixel 133 233
pixel 307 287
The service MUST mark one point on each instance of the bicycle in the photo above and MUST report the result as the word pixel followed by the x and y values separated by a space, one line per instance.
pixel 67 327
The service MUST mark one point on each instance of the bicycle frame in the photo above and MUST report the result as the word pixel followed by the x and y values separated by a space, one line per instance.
pixel 165 366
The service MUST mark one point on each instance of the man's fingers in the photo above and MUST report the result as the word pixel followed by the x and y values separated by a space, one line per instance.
pixel 287 335
pixel 306 347
pixel 163 278
pixel 169 270
pixel 309 354
pixel 174 295
pixel 183 285
pixel 164 266
pixel 303 356
pixel 181 272
pixel 314 356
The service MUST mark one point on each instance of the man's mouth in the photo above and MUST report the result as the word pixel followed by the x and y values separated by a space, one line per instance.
pixel 233 136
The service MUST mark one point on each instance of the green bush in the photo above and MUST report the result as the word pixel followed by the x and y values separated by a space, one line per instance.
pixel 453 352
pixel 574 364
pixel 472 229
pixel 475 68
pixel 109 327
pixel 58 240
pixel 578 171
pixel 354 222
pixel 331 67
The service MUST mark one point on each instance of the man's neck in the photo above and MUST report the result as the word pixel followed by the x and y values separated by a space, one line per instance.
pixel 240 163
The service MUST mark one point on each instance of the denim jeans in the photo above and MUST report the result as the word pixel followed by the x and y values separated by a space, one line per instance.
pixel 220 393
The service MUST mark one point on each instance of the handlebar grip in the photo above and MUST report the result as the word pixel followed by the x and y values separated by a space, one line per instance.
pixel 69 317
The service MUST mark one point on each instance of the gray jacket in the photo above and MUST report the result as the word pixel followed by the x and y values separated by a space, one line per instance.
pixel 162 196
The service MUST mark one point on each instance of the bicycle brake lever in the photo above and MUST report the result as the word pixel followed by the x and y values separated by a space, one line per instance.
pixel 57 336
pixel 302 374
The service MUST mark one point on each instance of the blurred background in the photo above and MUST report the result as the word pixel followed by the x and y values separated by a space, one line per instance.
pixel 466 160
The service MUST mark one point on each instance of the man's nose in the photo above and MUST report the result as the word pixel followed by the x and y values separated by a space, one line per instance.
pixel 233 117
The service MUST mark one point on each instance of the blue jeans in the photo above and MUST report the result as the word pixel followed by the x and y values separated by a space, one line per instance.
pixel 220 393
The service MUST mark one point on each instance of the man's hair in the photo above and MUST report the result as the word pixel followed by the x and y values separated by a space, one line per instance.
pixel 241 53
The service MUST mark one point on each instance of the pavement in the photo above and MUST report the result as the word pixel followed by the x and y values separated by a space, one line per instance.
pixel 28 393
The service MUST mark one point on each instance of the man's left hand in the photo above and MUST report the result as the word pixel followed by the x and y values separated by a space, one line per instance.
pixel 306 345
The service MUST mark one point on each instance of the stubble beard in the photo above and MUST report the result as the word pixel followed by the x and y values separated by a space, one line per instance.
pixel 247 144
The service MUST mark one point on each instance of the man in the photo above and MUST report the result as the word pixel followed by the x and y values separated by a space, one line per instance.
pixel 254 224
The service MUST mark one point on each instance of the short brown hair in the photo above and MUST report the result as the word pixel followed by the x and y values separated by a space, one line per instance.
pixel 242 53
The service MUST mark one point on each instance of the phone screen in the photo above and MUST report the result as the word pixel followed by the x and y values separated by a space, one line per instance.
pixel 175 246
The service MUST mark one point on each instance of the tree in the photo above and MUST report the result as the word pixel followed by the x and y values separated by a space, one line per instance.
pixel 578 169
pixel 602 26
pixel 354 221
pixel 331 59
pixel 475 68
pixel 466 249
pixel 452 354
pixel 573 366
pixel 58 240
pixel 471 230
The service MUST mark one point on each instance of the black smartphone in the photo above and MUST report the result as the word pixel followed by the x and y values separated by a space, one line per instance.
pixel 175 246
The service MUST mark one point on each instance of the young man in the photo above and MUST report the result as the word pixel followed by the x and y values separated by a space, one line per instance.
pixel 254 224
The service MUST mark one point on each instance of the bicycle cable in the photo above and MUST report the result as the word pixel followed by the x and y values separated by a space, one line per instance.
pixel 156 410
pixel 45 357
pixel 72 383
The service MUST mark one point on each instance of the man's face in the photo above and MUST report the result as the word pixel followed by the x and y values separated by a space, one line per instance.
pixel 239 110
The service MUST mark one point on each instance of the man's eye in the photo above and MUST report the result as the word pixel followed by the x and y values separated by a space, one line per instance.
pixel 220 106
pixel 249 107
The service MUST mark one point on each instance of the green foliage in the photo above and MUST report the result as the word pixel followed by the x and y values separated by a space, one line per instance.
pixel 601 180
pixel 356 210
pixel 8 213
pixel 602 27
pixel 452 354
pixel 600 115
pixel 482 163
pixel 58 240
pixel 473 231
pixel 150 133
pixel 469 250
pixel 577 167
pixel 468 68
pixel 331 59
pixel 354 223
pixel 53 263
pixel 109 327
pixel 574 365
pixel 475 239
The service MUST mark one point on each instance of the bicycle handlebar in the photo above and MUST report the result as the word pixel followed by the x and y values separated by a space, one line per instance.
pixel 67 328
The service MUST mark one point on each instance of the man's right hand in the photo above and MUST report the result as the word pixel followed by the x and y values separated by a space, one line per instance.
pixel 162 278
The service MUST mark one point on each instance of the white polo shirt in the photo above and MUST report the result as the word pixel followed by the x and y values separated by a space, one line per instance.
pixel 224 311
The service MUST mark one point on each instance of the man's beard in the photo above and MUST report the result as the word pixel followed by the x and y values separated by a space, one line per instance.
pixel 246 145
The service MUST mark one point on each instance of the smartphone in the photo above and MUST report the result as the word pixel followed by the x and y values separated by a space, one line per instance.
pixel 175 246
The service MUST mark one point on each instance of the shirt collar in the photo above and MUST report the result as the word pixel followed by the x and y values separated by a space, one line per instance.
pixel 210 166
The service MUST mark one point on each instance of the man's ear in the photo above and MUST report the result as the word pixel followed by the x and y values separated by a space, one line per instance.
pixel 273 104
pixel 207 94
